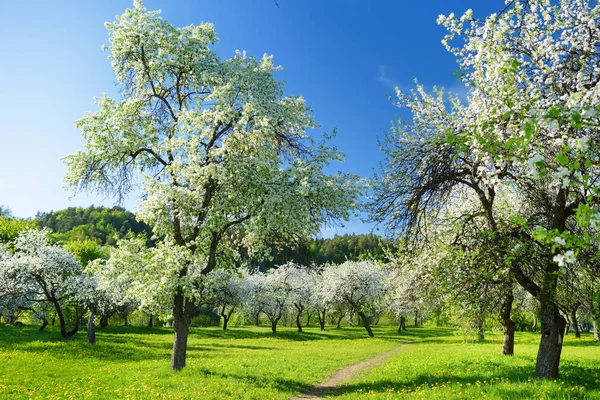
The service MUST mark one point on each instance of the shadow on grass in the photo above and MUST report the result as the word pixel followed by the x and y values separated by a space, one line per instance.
pixel 500 383
pixel 312 334
pixel 280 384
pixel 111 346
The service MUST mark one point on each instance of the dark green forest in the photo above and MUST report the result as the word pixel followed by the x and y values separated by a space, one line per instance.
pixel 104 226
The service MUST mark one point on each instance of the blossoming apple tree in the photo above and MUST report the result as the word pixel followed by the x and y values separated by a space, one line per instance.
pixel 42 273
pixel 216 147
pixel 361 285
pixel 531 123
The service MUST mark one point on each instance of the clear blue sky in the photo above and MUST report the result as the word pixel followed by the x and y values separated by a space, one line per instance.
pixel 344 57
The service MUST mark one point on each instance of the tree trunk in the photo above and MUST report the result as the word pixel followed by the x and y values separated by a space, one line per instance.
pixel 534 325
pixel 44 323
pixel 225 321
pixel 574 320
pixel 416 317
pixel 274 325
pixel 103 321
pixel 339 321
pixel 567 325
pixel 365 321
pixel 151 320
pixel 125 321
pixel 596 333
pixel 91 328
pixel 298 317
pixel 257 318
pixel 508 326
pixel 63 325
pixel 322 318
pixel 182 317
pixel 553 328
pixel 226 317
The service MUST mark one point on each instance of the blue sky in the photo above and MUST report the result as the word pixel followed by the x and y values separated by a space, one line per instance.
pixel 344 57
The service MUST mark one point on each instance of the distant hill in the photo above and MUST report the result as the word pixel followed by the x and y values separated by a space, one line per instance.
pixel 101 224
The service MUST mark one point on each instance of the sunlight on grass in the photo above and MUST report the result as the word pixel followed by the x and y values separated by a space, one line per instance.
pixel 447 368
pixel 134 362
pixel 251 363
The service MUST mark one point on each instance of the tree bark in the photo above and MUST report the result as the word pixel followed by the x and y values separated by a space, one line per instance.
pixel 596 333
pixel 151 320
pixel 574 320
pixel 308 316
pixel 63 326
pixel 568 324
pixel 322 318
pixel 365 321
pixel 274 325
pixel 44 323
pixel 553 328
pixel 508 326
pixel 534 325
pixel 339 321
pixel 416 317
pixel 182 317
pixel 298 317
pixel 91 328
pixel 226 317
pixel 103 321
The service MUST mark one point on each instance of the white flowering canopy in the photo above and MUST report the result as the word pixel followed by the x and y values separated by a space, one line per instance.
pixel 535 95
pixel 361 285
pixel 221 153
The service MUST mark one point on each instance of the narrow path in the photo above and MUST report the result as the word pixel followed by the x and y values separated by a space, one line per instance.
pixel 313 392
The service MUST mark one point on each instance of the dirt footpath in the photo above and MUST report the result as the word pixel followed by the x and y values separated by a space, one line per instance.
pixel 345 374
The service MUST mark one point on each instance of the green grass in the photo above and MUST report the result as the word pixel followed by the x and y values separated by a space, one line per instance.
pixel 444 367
pixel 251 363
pixel 134 362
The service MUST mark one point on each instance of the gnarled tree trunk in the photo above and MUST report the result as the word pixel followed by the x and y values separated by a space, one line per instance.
pixel 508 326
pixel 226 317
pixel 63 326
pixel 553 329
pixel 44 323
pixel 91 327
pixel 574 320
pixel 322 318
pixel 299 309
pixel 365 322
pixel 182 317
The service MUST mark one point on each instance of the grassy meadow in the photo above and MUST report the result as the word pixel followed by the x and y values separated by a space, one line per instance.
pixel 249 362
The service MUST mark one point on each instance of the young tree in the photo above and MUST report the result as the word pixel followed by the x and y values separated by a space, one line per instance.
pixel 216 145
pixel 228 290
pixel 40 272
pixel 359 284
pixel 303 283
pixel 272 292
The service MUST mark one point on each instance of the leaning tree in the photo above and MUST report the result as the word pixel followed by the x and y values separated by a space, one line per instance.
pixel 216 147
pixel 531 124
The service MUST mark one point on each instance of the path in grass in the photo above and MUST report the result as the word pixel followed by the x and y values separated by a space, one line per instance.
pixel 314 392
